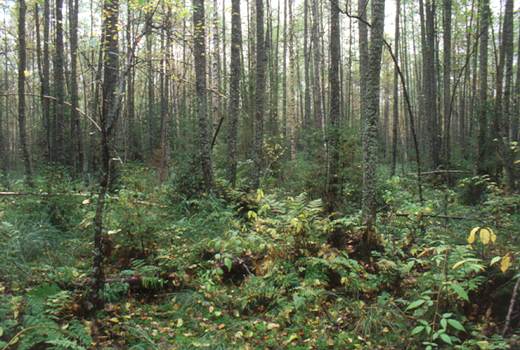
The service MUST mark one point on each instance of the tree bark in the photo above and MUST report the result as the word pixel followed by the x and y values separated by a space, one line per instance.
pixel 22 66
pixel 333 183
pixel 234 89
pixel 500 121
pixel 485 14
pixel 59 61
pixel 261 58
pixel 199 53
pixel 395 119
pixel 447 80
pixel 109 110
pixel 76 136
pixel 370 149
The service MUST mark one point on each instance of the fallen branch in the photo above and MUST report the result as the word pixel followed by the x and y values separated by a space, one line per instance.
pixel 433 172
pixel 439 216
pixel 80 194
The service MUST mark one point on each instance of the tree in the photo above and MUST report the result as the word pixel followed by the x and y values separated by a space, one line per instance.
pixel 447 79
pixel 485 14
pixel 500 120
pixel 59 61
pixel 78 163
pixel 371 116
pixel 395 119
pixel 430 83
pixel 199 53
pixel 333 183
pixel 22 65
pixel 261 62
pixel 234 89
pixel 109 112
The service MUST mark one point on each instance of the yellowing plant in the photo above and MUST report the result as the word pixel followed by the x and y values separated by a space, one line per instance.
pixel 486 235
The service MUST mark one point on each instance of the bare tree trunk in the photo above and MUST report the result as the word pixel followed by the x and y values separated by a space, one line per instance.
pixel 500 122
pixel 150 87
pixel 59 118
pixel 317 96
pixel 234 90
pixel 395 119
pixel 22 66
pixel 515 117
pixel 430 84
pixel 306 57
pixel 369 200
pixel 199 53
pixel 259 93
pixel 79 164
pixel 485 14
pixel 333 183
pixel 109 110
pixel 447 80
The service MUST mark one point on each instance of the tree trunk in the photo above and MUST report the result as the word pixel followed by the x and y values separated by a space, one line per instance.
pixel 500 122
pixel 447 80
pixel 369 200
pixel 234 90
pixel 22 66
pixel 485 14
pixel 109 110
pixel 59 118
pixel 261 58
pixel 430 84
pixel 317 96
pixel 395 119
pixel 199 53
pixel 76 136
pixel 333 183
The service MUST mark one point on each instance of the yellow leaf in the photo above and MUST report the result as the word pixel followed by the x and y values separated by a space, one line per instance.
pixel 471 237
pixel 485 235
pixel 292 338
pixel 271 326
pixel 180 322
pixel 493 235
pixel 114 320
pixel 86 201
pixel 505 263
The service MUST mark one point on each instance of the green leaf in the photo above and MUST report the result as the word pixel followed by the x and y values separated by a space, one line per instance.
pixel 415 304
pixel 460 291
pixel 456 324
pixel 1 331
pixel 444 323
pixel 417 330
pixel 445 338
pixel 228 263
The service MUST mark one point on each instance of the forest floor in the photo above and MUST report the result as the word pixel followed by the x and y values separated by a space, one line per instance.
pixel 242 270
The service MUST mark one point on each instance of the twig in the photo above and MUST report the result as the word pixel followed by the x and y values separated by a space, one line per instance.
pixel 511 307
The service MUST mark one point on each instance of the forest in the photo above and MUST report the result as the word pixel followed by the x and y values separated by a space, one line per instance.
pixel 259 174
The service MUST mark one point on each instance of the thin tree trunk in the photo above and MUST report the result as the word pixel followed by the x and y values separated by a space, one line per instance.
pixel 447 80
pixel 500 122
pixel 485 14
pixel 234 90
pixel 79 164
pixel 261 58
pixel 369 199
pixel 395 119
pixel 22 66
pixel 59 118
pixel 110 49
pixel 199 53
pixel 333 183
